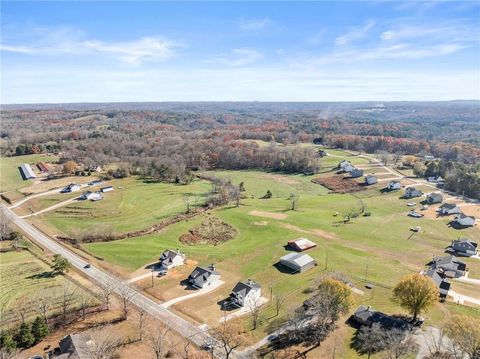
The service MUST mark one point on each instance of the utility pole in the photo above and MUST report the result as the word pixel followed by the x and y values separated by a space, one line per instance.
pixel 366 272
pixel 153 282
pixel 326 260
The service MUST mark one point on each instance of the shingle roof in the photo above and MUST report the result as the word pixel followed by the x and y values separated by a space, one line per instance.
pixel 371 316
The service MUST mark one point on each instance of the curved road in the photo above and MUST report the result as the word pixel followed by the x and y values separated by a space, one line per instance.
pixel 155 309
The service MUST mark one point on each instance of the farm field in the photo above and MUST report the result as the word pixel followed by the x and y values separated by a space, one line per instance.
pixel 23 279
pixel 11 178
pixel 133 205
pixel 380 247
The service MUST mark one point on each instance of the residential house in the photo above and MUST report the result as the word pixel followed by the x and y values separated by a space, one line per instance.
pixel 301 244
pixel 203 277
pixel 434 198
pixel 245 294
pixel 106 189
pixel 440 281
pixel 95 167
pixel 449 265
pixel 464 220
pixel 448 208
pixel 371 179
pixel 75 346
pixel 355 173
pixel 394 185
pixel 411 192
pixel 72 187
pixel 92 196
pixel 27 172
pixel 298 262
pixel 464 247
pixel 170 259
pixel 368 316
pixel 344 164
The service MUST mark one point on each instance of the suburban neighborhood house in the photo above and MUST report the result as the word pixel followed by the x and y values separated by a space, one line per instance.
pixel 202 277
pixel 434 198
pixel 464 247
pixel 449 265
pixel 394 185
pixel 448 208
pixel 345 166
pixel 72 187
pixel 92 196
pixel 464 220
pixel 75 346
pixel 301 244
pixel 411 192
pixel 245 294
pixel 355 173
pixel 27 172
pixel 370 179
pixel 298 262
pixel 368 316
pixel 170 259
pixel 438 277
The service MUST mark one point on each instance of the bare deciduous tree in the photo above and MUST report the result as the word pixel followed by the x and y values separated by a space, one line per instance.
pixel 254 306
pixel 157 340
pixel 230 335
pixel 107 289
pixel 103 345
pixel 126 294
pixel 5 226
pixel 68 293
pixel 43 304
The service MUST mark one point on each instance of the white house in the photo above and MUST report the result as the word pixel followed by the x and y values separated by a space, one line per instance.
pixel 298 262
pixel 411 192
pixel 394 185
pixel 342 165
pixel 27 172
pixel 72 187
pixel 370 179
pixel 92 196
pixel 464 220
pixel 464 247
pixel 245 294
pixel 434 197
pixel 203 277
pixel 449 208
pixel 170 259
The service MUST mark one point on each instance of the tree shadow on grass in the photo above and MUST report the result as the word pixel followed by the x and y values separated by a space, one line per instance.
pixel 42 275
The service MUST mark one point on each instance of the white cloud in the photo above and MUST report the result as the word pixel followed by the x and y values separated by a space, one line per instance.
pixel 254 24
pixel 354 33
pixel 133 52
pixel 238 57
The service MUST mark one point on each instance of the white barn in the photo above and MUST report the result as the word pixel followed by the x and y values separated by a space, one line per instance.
pixel 27 172
pixel 298 262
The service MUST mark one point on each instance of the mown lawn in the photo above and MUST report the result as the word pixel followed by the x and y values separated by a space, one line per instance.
pixel 134 204
pixel 10 178
pixel 23 279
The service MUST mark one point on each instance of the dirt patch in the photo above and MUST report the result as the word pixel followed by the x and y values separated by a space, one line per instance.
pixel 339 184
pixel 268 214
pixel 260 223
pixel 471 210
pixel 315 232
pixel 212 231
pixel 282 179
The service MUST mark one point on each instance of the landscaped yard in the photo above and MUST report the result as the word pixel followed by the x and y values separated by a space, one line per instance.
pixel 24 278
pixel 134 204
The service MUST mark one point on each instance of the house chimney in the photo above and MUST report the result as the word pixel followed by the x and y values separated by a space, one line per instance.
pixel 250 282
pixel 212 267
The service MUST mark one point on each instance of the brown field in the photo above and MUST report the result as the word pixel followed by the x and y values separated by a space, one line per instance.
pixel 268 214
pixel 339 184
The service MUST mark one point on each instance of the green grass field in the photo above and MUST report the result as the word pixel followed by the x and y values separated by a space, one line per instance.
pixel 10 178
pixel 23 279
pixel 134 204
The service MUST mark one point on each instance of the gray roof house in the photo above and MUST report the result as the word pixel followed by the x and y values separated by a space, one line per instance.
pixel 449 265
pixel 370 179
pixel 298 262
pixel 434 198
pixel 368 316
pixel 464 220
pixel 393 185
pixel 440 281
pixel 72 187
pixel 355 173
pixel 202 277
pixel 170 259
pixel 245 293
pixel 448 208
pixel 464 247
pixel 74 346
pixel 411 192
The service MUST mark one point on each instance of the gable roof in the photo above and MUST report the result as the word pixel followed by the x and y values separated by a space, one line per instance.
pixel 448 262
pixel 438 278
pixel 464 244
pixel 370 316
pixel 241 289
pixel 76 345
pixel 462 215
pixel 300 259
pixel 169 255
pixel 301 244
pixel 448 206
pixel 201 274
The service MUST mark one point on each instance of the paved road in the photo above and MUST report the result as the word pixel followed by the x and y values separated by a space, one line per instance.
pixel 175 322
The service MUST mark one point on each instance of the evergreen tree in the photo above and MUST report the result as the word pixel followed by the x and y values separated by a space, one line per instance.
pixel 8 343
pixel 39 329
pixel 25 337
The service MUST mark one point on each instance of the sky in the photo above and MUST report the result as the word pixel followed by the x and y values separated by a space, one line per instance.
pixel 93 51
